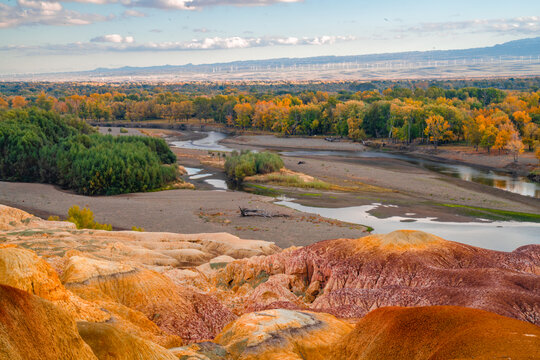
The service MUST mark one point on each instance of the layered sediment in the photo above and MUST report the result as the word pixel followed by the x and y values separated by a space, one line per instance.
pixel 87 294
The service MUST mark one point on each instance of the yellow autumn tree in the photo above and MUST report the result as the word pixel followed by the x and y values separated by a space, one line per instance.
pixel 243 114
pixel 531 135
pixel 437 129
pixel 18 102
pixel 515 145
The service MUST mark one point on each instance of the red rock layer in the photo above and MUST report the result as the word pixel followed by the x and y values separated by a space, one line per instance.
pixel 176 310
pixel 350 277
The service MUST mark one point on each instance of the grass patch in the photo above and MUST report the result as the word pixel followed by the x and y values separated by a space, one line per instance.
pixel 260 190
pixel 30 233
pixel 494 214
pixel 296 181
pixel 218 265
pixel 310 194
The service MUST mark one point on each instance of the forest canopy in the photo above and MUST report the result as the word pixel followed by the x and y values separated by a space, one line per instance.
pixel 501 115
pixel 41 146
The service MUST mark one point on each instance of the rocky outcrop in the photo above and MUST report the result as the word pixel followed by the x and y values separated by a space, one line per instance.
pixel 350 277
pixel 419 333
pixel 12 218
pixel 176 310
pixel 146 283
pixel 110 343
pixel 143 295
pixel 157 250
pixel 438 332
pixel 273 334
pixel 34 328
pixel 23 269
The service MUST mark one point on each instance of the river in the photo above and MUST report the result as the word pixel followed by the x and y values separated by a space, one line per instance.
pixel 495 235
pixel 500 180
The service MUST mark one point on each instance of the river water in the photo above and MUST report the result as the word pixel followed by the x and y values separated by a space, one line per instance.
pixel 210 142
pixel 500 180
pixel 497 235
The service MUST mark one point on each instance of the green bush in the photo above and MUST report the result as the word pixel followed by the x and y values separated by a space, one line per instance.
pixel 84 219
pixel 40 146
pixel 123 131
pixel 240 165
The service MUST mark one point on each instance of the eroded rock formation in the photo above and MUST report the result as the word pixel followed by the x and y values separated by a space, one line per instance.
pixel 350 277
pixel 176 310
pixel 34 328
pixel 275 334
pixel 438 332
pixel 218 297
pixel 109 343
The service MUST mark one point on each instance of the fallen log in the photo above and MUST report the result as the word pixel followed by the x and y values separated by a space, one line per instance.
pixel 257 212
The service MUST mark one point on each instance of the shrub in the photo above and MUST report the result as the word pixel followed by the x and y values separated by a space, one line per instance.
pixel 84 219
pixel 135 228
pixel 123 131
pixel 240 165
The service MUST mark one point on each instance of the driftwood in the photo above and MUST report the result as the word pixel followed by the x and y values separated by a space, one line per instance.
pixel 257 212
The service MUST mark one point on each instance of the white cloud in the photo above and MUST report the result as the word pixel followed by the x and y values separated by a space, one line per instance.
pixel 117 42
pixel 45 6
pixel 31 12
pixel 185 4
pixel 114 38
pixel 51 12
pixel 237 42
pixel 133 13
pixel 528 25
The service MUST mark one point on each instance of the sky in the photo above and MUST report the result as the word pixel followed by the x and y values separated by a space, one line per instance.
pixel 68 35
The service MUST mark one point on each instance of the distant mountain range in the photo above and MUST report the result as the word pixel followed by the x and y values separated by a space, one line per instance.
pixel 519 57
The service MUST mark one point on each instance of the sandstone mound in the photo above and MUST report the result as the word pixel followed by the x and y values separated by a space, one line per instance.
pixel 33 328
pixel 12 218
pixel 438 332
pixel 350 277
pixel 273 334
pixel 176 310
pixel 24 270
pixel 400 240
pixel 109 343
pixel 54 239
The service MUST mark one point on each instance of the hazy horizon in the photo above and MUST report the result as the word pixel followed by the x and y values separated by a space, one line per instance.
pixel 66 35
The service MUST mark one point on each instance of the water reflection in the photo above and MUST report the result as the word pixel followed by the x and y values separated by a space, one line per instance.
pixel 518 184
pixel 217 183
pixel 498 235
pixel 210 142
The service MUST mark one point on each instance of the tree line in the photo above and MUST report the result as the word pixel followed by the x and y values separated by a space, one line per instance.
pixel 489 118
pixel 41 146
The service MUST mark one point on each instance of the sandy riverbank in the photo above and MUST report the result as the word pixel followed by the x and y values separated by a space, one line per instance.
pixel 271 141
pixel 452 153
pixel 413 183
pixel 183 211
pixel 408 188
